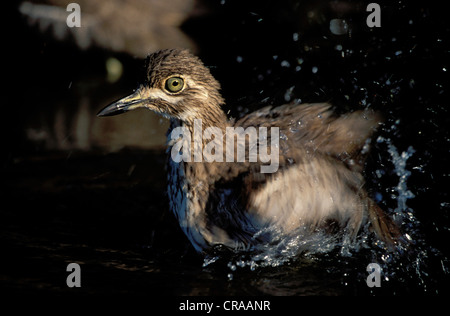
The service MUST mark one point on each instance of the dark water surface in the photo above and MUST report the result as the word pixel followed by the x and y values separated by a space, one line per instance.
pixel 116 225
pixel 92 191
pixel 109 213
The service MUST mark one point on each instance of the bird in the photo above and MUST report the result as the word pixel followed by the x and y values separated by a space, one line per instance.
pixel 318 184
pixel 133 27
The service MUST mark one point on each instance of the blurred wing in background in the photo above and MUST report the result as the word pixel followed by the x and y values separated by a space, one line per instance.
pixel 136 27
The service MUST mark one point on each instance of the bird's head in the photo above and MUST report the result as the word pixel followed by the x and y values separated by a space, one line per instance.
pixel 178 86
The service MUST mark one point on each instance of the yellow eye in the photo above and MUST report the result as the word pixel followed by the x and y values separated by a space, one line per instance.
pixel 174 84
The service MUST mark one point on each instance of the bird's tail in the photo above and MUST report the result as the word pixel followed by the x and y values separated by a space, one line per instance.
pixel 384 226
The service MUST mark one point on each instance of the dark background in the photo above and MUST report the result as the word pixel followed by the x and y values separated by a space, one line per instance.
pixel 76 188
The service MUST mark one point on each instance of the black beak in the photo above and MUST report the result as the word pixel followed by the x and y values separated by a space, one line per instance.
pixel 131 102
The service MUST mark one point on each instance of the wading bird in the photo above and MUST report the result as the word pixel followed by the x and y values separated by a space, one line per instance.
pixel 318 185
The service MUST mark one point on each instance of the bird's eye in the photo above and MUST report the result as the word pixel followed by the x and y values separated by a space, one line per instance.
pixel 174 84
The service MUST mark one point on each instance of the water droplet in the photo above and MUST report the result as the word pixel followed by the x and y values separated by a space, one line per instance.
pixel 288 94
pixel 379 173
pixel 314 69
pixel 231 266
pixel 240 263
pixel 208 261
pixel 338 26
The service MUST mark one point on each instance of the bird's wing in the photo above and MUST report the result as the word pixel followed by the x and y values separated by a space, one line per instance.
pixel 311 187
pixel 315 128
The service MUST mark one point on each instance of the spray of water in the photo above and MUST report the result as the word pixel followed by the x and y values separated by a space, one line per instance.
pixel 403 194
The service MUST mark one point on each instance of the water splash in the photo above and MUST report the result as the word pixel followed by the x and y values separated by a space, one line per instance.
pixel 399 161
pixel 409 268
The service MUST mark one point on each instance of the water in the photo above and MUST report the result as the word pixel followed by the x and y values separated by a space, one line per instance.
pixel 92 210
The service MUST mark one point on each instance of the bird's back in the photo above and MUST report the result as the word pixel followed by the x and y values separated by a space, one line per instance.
pixel 316 129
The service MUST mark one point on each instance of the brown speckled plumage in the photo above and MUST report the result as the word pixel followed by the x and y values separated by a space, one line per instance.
pixel 318 182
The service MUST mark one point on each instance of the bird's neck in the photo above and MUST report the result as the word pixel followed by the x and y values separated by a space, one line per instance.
pixel 191 176
pixel 203 126
pixel 210 115
pixel 198 140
